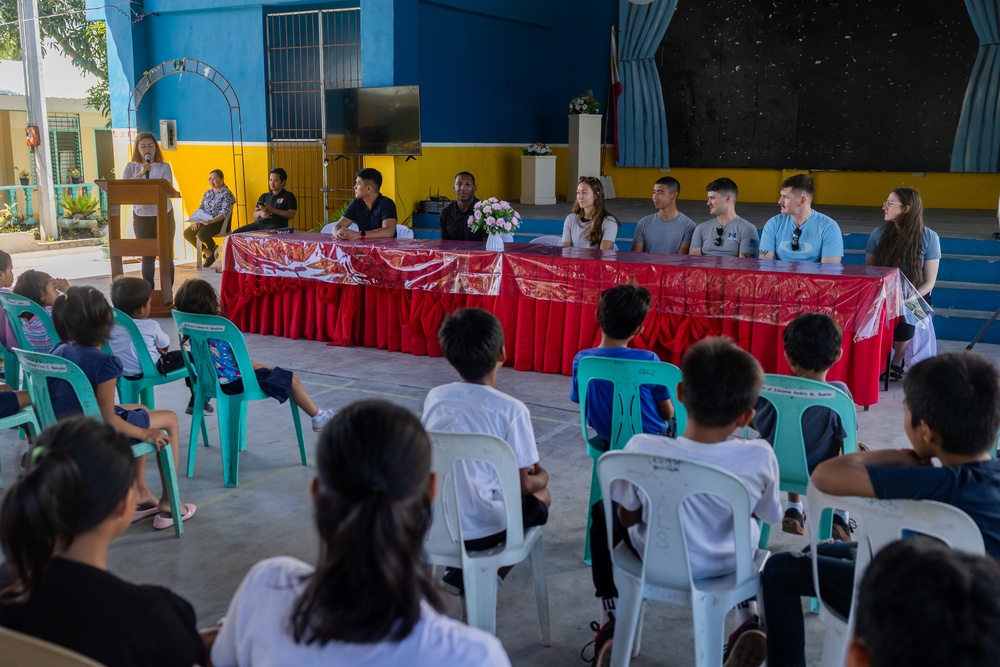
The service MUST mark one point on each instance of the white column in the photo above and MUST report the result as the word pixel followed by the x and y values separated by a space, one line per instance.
pixel 34 87
pixel 584 149
pixel 538 179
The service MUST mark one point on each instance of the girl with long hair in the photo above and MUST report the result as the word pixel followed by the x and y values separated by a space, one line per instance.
pixel 590 225
pixel 56 527
pixel 147 162
pixel 370 600
pixel 905 243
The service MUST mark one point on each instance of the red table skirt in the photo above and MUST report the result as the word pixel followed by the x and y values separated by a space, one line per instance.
pixel 541 335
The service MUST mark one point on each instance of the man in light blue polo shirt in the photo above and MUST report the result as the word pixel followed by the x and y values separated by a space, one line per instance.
pixel 800 234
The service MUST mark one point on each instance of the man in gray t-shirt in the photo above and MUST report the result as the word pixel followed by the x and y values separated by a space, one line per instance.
pixel 727 233
pixel 667 231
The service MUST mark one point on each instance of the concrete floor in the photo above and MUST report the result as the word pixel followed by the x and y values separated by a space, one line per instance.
pixel 269 513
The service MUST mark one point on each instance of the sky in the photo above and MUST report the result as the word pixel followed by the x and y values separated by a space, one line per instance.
pixel 61 79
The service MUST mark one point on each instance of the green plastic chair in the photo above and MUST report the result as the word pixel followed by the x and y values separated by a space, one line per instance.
pixel 38 368
pixel 231 409
pixel 791 396
pixel 25 418
pixel 627 375
pixel 14 305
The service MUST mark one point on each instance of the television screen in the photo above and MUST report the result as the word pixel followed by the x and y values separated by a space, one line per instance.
pixel 373 121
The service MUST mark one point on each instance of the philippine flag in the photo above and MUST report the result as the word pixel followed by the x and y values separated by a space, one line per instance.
pixel 616 88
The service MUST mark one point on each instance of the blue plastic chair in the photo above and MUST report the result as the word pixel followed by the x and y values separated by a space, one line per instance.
pixel 15 305
pixel 25 418
pixel 627 375
pixel 791 396
pixel 232 408
pixel 38 368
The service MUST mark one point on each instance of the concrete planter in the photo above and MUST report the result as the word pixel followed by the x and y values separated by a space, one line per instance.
pixel 78 223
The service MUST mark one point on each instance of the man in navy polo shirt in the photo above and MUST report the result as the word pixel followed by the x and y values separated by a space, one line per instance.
pixel 374 213
pixel 276 207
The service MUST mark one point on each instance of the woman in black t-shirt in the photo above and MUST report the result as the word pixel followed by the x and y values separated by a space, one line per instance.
pixel 56 526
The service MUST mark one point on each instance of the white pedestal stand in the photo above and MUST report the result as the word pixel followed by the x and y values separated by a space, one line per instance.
pixel 538 179
pixel 584 149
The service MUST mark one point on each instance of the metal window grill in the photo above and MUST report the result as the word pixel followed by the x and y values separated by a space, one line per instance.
pixel 307 53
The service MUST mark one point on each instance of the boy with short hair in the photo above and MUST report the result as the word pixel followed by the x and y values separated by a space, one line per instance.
pixel 922 603
pixel 472 340
pixel 951 413
pixel 133 296
pixel 620 312
pixel 813 344
pixel 719 388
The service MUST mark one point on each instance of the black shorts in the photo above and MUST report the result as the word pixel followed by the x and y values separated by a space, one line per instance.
pixel 533 513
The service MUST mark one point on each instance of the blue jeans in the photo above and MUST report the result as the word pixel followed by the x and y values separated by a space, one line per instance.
pixel 786 579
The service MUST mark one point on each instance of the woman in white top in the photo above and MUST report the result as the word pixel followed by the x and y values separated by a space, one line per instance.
pixel 590 225
pixel 370 600
pixel 147 162
pixel 206 222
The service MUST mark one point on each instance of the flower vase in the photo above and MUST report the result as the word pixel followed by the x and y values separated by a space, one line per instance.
pixel 494 243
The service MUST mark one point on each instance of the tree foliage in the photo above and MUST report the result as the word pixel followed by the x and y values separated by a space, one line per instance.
pixel 64 23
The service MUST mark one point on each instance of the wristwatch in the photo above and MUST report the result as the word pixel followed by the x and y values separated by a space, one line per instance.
pixel 362 233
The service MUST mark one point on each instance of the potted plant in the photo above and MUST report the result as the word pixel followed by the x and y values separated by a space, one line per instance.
pixel 22 175
pixel 496 217
pixel 79 211
pixel 74 175
pixel 584 104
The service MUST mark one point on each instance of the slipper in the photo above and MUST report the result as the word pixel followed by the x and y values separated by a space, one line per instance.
pixel 161 522
pixel 895 373
pixel 141 514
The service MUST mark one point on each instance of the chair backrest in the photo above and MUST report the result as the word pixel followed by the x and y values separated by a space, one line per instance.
pixel 667 482
pixel 403 232
pixel 228 221
pixel 329 228
pixel 199 329
pixel 883 521
pixel 38 368
pixel 791 396
pixel 145 362
pixel 449 449
pixel 20 650
pixel 15 305
pixel 548 239
pixel 627 376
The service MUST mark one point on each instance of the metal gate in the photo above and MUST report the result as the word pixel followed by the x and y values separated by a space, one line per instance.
pixel 308 53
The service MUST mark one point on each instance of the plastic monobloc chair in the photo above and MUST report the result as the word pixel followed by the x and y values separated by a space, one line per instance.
pixel 664 573
pixel 791 396
pixel 14 306
pixel 445 545
pixel 231 408
pixel 25 418
pixel 881 522
pixel 627 376
pixel 38 368
pixel 21 650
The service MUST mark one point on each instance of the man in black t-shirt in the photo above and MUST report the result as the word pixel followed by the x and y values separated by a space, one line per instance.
pixel 454 219
pixel 276 207
pixel 374 213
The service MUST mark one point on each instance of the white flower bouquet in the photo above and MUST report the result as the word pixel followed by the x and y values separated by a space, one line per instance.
pixel 584 104
pixel 495 216
pixel 537 148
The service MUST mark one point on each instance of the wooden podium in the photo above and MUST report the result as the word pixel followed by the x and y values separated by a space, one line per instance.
pixel 151 191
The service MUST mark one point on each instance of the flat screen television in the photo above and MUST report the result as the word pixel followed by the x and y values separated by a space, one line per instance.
pixel 373 121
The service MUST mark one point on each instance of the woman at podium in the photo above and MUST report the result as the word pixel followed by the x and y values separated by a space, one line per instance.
pixel 147 162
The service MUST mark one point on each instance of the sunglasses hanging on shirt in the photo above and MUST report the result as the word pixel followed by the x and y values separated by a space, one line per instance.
pixel 718 235
pixel 795 238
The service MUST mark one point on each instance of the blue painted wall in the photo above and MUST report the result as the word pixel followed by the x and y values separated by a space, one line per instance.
pixel 490 71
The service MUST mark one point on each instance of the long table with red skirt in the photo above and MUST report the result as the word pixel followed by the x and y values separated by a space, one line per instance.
pixel 393 294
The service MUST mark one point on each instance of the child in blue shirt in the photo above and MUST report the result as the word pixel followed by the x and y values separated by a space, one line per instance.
pixel 198 297
pixel 83 319
pixel 620 313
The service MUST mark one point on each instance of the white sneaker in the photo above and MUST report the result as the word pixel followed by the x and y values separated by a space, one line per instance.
pixel 322 418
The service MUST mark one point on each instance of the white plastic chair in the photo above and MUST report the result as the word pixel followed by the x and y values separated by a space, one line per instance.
pixel 403 232
pixel 547 240
pixel 21 650
pixel 331 227
pixel 881 522
pixel 445 545
pixel 224 229
pixel 664 572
